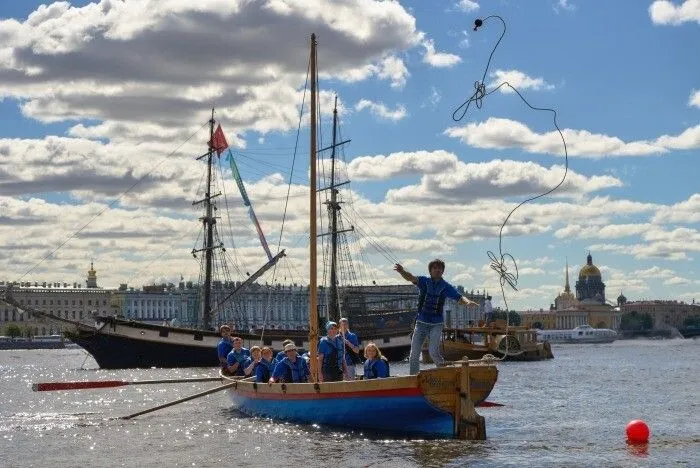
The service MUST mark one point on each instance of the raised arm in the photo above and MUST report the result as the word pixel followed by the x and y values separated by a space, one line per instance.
pixel 406 275
pixel 467 302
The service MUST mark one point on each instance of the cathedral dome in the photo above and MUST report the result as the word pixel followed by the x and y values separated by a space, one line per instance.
pixel 589 269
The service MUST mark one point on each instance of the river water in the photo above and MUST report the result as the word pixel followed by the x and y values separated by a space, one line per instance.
pixel 569 411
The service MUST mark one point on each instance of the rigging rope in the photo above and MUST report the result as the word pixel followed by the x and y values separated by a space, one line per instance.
pixel 286 202
pixel 498 262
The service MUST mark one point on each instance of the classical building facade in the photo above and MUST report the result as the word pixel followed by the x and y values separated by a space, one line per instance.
pixel 588 307
pixel 665 314
pixel 63 300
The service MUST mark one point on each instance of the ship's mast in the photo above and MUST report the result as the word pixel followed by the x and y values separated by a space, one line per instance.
pixel 333 208
pixel 313 285
pixel 208 220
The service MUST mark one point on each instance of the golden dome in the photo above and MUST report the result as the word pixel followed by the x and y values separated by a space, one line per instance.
pixel 589 269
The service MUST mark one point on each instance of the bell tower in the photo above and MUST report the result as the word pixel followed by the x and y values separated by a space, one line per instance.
pixel 92 277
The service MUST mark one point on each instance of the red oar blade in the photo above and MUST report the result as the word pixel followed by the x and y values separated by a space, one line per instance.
pixel 488 404
pixel 50 386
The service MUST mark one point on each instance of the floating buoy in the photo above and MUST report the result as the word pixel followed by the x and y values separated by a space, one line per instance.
pixel 637 432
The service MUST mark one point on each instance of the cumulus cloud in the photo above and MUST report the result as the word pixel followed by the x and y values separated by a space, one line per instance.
pixel 659 243
pixel 666 12
pixel 438 59
pixel 467 6
pixel 498 133
pixel 164 63
pixel 563 5
pixel 687 211
pixel 694 99
pixel 380 110
pixel 518 80
pixel 611 231
pixel 445 177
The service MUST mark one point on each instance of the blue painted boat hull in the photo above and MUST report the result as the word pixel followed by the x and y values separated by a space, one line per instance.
pixel 402 411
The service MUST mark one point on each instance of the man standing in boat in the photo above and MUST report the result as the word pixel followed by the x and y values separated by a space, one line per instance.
pixel 433 291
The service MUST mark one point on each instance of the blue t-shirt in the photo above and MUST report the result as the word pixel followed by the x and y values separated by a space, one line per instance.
pixel 238 357
pixel 298 369
pixel 376 369
pixel 352 338
pixel 223 348
pixel 326 347
pixel 263 371
pixel 432 298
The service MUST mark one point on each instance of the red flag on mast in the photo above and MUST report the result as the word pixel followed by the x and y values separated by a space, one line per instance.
pixel 218 143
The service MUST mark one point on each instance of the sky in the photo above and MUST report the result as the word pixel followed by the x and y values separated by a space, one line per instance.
pixel 104 108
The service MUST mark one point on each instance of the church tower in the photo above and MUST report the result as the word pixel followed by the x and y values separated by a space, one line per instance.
pixel 92 277
pixel 590 287
pixel 565 300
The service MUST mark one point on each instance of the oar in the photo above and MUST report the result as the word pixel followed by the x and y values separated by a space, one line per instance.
pixel 182 400
pixel 488 404
pixel 50 386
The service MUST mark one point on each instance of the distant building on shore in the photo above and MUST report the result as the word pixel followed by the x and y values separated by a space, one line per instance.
pixel 587 307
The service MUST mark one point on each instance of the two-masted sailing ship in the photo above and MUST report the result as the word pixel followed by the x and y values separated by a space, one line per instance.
pixel 435 403
pixel 377 313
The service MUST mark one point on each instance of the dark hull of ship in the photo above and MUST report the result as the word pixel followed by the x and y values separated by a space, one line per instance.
pixel 123 344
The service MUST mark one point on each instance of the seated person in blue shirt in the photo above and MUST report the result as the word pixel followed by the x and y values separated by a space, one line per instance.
pixel 281 354
pixel 225 345
pixel 253 360
pixel 330 355
pixel 263 371
pixel 376 365
pixel 237 357
pixel 352 349
pixel 291 369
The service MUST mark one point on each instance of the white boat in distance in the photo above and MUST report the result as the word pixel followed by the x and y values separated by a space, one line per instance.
pixel 581 334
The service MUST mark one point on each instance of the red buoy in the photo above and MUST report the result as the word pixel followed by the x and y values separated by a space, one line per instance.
pixel 637 432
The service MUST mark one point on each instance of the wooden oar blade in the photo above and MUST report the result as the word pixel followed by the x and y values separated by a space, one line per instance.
pixel 51 386
pixel 489 404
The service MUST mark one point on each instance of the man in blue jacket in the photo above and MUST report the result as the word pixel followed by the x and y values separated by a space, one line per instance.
pixel 433 291
pixel 291 369
pixel 225 345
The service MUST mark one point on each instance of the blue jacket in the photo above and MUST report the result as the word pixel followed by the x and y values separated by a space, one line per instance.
pixel 239 357
pixel 223 348
pixel 431 299
pixel 376 369
pixel 291 372
pixel 263 371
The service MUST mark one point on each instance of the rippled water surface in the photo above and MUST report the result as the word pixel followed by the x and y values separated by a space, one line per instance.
pixel 569 411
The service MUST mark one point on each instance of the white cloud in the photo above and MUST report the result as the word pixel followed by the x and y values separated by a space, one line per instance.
pixel 676 280
pixel 380 110
pixel 655 272
pixel 497 133
pixel 665 12
pixel 131 62
pixel 445 177
pixel 518 80
pixel 434 99
pixel 438 59
pixel 467 6
pixel 611 231
pixel 694 99
pixel 687 211
pixel 564 5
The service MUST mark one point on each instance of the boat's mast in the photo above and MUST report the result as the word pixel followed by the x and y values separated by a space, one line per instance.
pixel 208 221
pixel 313 286
pixel 333 206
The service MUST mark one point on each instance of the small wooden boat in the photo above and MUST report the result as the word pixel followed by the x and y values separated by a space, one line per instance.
pixel 428 404
pixel 508 343
pixel 435 403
